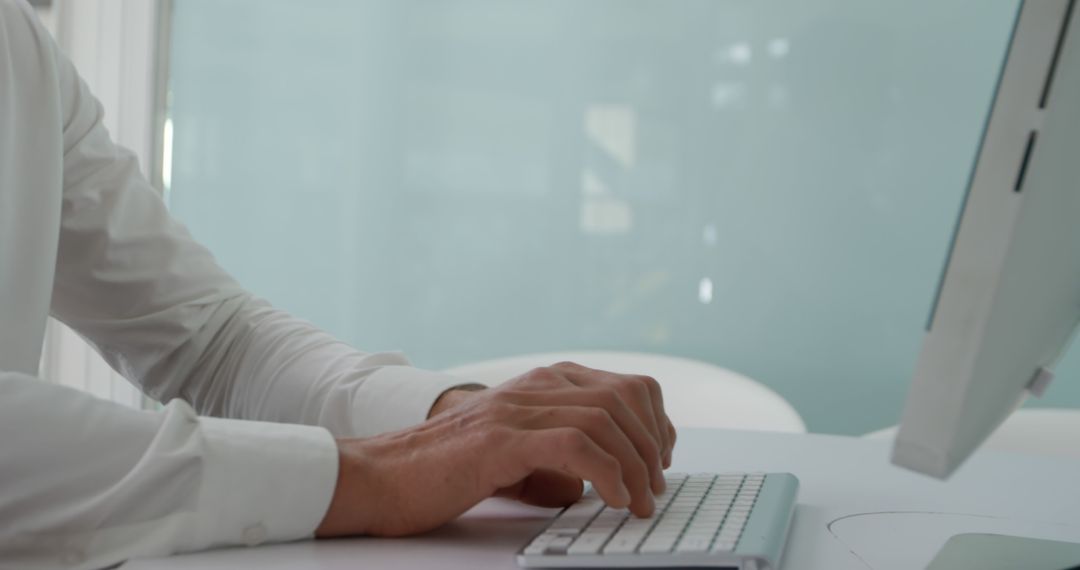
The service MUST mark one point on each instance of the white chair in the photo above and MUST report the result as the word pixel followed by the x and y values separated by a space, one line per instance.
pixel 1042 431
pixel 696 394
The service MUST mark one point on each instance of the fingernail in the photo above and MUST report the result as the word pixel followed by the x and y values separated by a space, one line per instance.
pixel 624 496
pixel 652 504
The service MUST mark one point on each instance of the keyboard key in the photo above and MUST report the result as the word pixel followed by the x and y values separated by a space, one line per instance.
pixel 723 546
pixel 728 536
pixel 588 543
pixel 539 544
pixel 564 531
pixel 657 545
pixel 624 545
pixel 578 515
pixel 704 534
pixel 558 545
pixel 627 532
pixel 735 520
pixel 659 533
pixel 693 544
pixel 635 526
pixel 673 522
pixel 730 532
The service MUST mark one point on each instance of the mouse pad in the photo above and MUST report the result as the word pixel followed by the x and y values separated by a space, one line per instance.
pixel 907 540
pixel 1000 552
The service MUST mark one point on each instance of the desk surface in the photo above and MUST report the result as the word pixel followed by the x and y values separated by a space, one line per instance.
pixel 855 510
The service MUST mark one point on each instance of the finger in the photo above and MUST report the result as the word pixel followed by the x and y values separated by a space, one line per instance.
pixel 646 445
pixel 664 423
pixel 601 428
pixel 545 488
pixel 672 435
pixel 571 451
pixel 631 389
pixel 643 441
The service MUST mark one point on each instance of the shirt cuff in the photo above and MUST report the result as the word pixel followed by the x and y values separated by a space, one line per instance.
pixel 396 397
pixel 264 482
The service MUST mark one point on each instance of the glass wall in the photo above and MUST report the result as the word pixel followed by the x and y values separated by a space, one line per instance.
pixel 766 185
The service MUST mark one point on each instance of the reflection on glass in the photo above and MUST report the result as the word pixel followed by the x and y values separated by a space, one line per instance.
pixel 705 291
pixel 779 47
pixel 728 94
pixel 740 54
pixel 612 128
pixel 166 156
pixel 709 235
pixel 601 212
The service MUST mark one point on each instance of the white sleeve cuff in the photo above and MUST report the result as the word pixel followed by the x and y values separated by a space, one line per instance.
pixel 264 481
pixel 396 397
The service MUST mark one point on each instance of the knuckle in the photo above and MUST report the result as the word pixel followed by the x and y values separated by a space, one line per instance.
pixel 574 440
pixel 598 418
pixel 637 386
pixel 650 382
pixel 567 364
pixel 542 374
pixel 608 398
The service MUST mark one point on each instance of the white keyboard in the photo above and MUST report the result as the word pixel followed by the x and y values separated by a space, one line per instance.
pixel 732 519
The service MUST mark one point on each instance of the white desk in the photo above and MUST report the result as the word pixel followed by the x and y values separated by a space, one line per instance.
pixel 841 476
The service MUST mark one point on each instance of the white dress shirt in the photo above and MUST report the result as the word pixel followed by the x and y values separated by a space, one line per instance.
pixel 85 483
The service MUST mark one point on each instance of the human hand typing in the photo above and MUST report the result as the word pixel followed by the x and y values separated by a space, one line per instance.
pixel 534 438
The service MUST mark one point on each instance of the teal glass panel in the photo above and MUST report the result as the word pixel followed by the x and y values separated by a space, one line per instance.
pixel 769 186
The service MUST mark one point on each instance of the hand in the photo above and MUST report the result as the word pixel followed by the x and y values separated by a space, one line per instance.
pixel 534 438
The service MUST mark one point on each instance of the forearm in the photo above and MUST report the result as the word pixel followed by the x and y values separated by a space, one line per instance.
pixel 267 365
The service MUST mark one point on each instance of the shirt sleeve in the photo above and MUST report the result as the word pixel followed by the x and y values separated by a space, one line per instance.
pixel 86 483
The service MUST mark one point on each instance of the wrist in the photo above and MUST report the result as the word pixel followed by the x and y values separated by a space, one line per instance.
pixel 453 397
pixel 357 492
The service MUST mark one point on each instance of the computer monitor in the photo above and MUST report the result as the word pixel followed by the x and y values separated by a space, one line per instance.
pixel 1009 298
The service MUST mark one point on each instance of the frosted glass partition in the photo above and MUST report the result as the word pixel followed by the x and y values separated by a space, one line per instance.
pixel 766 185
